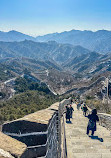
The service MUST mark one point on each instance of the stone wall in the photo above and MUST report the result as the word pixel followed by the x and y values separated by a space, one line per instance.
pixel 105 120
pixel 40 131
pixel 10 146
pixel 61 126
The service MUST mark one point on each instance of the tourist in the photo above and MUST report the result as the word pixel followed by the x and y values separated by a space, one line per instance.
pixel 71 101
pixel 92 122
pixel 85 110
pixel 71 111
pixel 82 104
pixel 78 106
pixel 67 113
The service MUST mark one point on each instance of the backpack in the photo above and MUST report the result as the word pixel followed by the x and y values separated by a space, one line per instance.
pixel 91 124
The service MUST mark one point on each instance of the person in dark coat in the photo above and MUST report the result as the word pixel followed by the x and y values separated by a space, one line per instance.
pixel 92 122
pixel 67 113
pixel 71 101
pixel 78 106
pixel 71 111
pixel 85 110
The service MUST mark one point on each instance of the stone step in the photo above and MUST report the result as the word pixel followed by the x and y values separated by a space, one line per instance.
pixel 80 145
pixel 90 155
pixel 87 143
pixel 89 146
pixel 90 150
pixel 85 139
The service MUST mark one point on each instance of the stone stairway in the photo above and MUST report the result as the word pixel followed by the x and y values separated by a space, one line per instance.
pixel 80 145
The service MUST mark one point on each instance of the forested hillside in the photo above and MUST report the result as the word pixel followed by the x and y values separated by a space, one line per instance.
pixel 25 103
pixel 5 72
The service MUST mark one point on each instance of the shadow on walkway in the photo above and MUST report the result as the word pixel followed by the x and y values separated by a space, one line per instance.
pixel 97 138
pixel 69 122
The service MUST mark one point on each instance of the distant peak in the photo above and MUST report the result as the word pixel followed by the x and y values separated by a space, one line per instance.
pixel 103 30
pixel 73 30
pixel 14 31
pixel 52 42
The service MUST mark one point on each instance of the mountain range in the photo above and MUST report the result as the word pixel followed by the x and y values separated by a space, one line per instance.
pixel 89 65
pixel 45 55
pixel 41 50
pixel 64 61
pixel 99 41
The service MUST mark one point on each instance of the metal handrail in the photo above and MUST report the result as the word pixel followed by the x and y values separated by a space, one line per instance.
pixel 64 143
pixel 64 153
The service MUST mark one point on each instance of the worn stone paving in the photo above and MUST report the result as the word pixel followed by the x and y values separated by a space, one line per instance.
pixel 80 145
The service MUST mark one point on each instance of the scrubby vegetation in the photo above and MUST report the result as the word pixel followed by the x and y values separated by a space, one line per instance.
pixel 31 96
pixel 5 73
pixel 25 103
pixel 2 95
pixel 99 105
pixel 22 84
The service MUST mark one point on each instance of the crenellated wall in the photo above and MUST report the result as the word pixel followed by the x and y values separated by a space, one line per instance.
pixel 41 131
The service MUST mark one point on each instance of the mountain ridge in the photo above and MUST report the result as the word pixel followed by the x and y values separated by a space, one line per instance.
pixel 13 35
pixel 41 50
pixel 99 41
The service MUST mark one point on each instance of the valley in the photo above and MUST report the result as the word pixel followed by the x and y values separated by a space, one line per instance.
pixel 55 69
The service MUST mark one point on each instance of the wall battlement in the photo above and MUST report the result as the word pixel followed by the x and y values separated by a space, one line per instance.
pixel 40 132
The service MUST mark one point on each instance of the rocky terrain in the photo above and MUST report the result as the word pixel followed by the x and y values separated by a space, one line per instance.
pixel 90 64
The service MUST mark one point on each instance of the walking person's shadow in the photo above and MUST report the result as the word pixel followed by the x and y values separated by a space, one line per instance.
pixel 69 122
pixel 97 138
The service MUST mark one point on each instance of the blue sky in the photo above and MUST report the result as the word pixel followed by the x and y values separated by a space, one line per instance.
pixel 38 17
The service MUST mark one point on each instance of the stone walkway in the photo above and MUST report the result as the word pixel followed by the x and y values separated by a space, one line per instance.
pixel 79 145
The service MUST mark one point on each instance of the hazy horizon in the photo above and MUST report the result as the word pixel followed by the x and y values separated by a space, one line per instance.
pixel 40 17
pixel 53 32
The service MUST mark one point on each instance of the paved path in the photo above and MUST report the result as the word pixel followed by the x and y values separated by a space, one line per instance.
pixel 79 145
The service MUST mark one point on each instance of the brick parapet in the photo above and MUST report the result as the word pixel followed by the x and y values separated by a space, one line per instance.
pixel 40 131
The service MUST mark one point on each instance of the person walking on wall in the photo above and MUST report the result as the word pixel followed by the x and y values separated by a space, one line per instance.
pixel 81 104
pixel 71 101
pixel 67 113
pixel 78 106
pixel 71 111
pixel 92 122
pixel 85 110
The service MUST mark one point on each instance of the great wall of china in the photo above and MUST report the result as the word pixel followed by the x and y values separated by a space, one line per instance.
pixel 40 134
pixel 35 135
